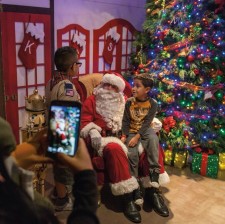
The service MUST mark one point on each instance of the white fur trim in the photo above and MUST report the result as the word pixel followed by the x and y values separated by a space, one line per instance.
pixel 163 180
pixel 140 149
pixel 147 183
pixel 156 125
pixel 107 140
pixel 85 130
pixel 114 80
pixel 124 187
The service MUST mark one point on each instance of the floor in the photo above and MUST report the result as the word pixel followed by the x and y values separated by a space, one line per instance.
pixel 191 199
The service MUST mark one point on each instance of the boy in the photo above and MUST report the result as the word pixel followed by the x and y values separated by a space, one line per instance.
pixel 138 115
pixel 61 87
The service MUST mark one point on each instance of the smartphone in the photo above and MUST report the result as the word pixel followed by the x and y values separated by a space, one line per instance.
pixel 63 127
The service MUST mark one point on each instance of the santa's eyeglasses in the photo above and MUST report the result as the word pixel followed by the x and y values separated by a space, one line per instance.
pixel 78 63
pixel 108 85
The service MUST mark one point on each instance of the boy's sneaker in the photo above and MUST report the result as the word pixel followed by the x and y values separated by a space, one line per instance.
pixel 138 199
pixel 154 178
pixel 63 204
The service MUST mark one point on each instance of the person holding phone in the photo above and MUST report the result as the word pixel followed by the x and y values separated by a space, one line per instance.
pixel 17 204
pixel 61 87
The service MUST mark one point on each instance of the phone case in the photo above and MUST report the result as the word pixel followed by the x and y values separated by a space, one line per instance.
pixel 63 127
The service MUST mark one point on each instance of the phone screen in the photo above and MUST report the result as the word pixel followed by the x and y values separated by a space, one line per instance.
pixel 64 124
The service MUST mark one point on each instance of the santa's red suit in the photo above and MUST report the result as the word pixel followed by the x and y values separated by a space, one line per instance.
pixel 103 113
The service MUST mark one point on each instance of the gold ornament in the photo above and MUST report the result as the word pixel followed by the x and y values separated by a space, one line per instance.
pixel 35 102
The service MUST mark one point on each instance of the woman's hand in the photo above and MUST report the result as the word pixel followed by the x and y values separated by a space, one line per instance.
pixel 32 152
pixel 81 161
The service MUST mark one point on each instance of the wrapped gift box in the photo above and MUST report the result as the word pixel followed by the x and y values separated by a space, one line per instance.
pixel 177 159
pixel 168 157
pixel 180 159
pixel 221 171
pixel 205 164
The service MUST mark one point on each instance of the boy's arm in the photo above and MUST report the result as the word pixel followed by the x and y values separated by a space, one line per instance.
pixel 67 91
pixel 126 119
pixel 149 118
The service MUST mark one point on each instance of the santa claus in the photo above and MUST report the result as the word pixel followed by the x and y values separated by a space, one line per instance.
pixel 101 122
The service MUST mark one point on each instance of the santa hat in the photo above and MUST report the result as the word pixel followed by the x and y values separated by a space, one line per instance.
pixel 114 79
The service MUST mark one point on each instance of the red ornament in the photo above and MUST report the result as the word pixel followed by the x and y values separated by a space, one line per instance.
pixel 162 35
pixel 190 58
pixel 185 134
pixel 196 71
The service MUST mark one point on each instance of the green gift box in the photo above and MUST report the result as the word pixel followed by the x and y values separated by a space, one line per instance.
pixel 205 164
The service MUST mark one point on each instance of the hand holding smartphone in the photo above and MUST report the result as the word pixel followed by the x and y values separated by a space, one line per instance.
pixel 63 127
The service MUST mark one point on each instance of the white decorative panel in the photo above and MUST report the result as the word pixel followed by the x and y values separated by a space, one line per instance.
pixel 30 90
pixel 113 64
pixel 41 90
pixel 19 32
pixel 100 64
pixel 23 118
pixel 21 97
pixel 124 33
pixel 101 47
pixel 82 68
pixel 64 44
pixel 129 35
pixel 123 62
pixel 40 54
pixel 129 47
pixel 65 36
pixel 21 76
pixel 124 47
pixel 30 76
pixel 40 74
pixel 18 61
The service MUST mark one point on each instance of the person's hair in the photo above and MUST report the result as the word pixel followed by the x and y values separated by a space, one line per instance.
pixel 146 80
pixel 64 58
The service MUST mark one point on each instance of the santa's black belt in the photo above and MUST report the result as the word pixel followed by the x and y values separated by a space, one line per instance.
pixel 111 134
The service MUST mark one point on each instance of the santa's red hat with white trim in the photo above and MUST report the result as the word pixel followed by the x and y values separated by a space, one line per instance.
pixel 114 79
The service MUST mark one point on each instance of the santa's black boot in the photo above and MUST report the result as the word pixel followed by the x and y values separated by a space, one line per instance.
pixel 130 210
pixel 154 198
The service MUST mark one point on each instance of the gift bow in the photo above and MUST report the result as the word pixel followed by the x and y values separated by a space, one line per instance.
pixel 168 123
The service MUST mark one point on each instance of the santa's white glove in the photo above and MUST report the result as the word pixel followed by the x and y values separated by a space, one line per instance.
pixel 95 139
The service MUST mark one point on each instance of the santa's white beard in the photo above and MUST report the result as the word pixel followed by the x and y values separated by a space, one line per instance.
pixel 110 106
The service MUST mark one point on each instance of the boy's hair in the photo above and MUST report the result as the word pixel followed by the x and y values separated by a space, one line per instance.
pixel 64 58
pixel 146 80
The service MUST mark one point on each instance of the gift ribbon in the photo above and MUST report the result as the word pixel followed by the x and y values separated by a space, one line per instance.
pixel 204 164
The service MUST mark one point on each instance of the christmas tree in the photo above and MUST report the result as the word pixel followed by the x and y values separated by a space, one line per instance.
pixel 183 48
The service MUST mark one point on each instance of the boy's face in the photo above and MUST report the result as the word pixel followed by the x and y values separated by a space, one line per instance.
pixel 74 70
pixel 139 91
